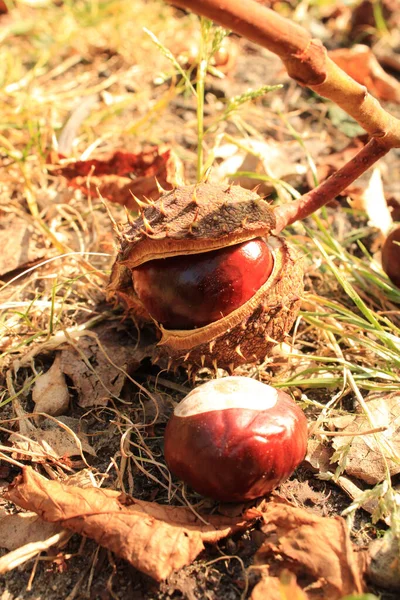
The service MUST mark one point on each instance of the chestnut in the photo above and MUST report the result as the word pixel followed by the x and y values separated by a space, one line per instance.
pixel 391 256
pixel 186 292
pixel 235 438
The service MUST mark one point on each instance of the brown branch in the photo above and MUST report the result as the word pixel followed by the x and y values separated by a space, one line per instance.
pixel 305 59
pixel 308 203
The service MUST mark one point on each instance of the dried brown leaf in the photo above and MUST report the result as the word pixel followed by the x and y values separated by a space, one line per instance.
pixel 50 392
pixel 318 456
pixel 275 588
pixel 20 245
pixel 360 63
pixel 97 375
pixel 155 539
pixel 364 459
pixel 316 549
pixel 24 528
pixel 122 174
pixel 51 440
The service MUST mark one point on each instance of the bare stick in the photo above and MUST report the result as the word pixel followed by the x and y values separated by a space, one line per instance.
pixel 306 60
pixel 308 203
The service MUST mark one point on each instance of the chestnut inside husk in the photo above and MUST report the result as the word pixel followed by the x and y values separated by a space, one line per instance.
pixel 230 321
pixel 186 292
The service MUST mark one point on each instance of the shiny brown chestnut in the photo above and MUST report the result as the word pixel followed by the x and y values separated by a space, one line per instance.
pixel 391 256
pixel 235 439
pixel 185 292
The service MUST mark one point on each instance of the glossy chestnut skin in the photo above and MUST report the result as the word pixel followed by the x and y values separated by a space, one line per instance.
pixel 185 292
pixel 234 439
pixel 391 256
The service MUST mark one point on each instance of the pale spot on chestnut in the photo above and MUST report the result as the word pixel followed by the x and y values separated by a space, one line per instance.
pixel 226 393
pixel 234 439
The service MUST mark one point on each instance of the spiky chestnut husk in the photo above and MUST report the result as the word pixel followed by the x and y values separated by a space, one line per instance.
pixel 200 218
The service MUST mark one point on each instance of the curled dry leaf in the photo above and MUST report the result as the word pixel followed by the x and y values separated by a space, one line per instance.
pixel 360 63
pixel 50 392
pixel 122 174
pixel 364 458
pixel 316 549
pixel 155 539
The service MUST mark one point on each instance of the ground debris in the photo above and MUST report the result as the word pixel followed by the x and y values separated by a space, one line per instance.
pixel 366 455
pixel 360 63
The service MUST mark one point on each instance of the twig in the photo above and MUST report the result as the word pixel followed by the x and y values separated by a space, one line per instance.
pixel 290 212
pixel 307 62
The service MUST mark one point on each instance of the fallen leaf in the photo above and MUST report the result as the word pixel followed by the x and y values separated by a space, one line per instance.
pixel 122 174
pixel 372 201
pixel 364 458
pixel 155 539
pixel 278 588
pixel 50 392
pixel 23 528
pixel 318 456
pixel 360 63
pixel 20 245
pixel 51 440
pixel 317 550
pixel 94 363
pixel 3 7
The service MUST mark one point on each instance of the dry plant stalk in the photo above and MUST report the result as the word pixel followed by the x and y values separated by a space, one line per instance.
pixel 307 62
